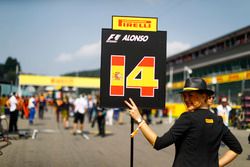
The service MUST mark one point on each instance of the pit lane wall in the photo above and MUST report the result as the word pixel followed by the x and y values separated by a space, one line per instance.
pixel 39 80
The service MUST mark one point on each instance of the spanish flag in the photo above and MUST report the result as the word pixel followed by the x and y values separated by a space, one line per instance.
pixel 117 73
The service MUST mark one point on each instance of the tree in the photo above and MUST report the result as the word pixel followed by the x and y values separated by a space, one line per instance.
pixel 1 71
pixel 11 64
pixel 8 70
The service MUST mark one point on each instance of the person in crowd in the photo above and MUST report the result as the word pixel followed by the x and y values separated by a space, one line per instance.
pixel 32 109
pixel 197 133
pixel 121 116
pixel 81 106
pixel 20 105
pixel 101 114
pixel 3 101
pixel 210 102
pixel 71 106
pixel 42 106
pixel 241 120
pixel 65 112
pixel 223 110
pixel 146 114
pixel 158 116
pixel 109 116
pixel 25 107
pixel 116 114
pixel 59 107
pixel 12 103
pixel 90 108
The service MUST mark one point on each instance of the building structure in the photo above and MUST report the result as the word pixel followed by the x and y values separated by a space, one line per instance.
pixel 223 62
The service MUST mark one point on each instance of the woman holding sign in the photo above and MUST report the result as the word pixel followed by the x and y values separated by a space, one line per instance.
pixel 197 134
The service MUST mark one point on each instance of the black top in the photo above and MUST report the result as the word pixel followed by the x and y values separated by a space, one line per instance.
pixel 197 136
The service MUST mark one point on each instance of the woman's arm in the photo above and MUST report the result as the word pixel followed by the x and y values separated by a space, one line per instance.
pixel 228 157
pixel 233 144
pixel 149 134
pixel 179 128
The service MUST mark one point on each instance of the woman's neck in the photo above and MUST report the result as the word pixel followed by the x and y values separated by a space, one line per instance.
pixel 204 106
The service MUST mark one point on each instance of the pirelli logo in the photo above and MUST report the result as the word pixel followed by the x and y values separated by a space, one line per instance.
pixel 209 120
pixel 134 23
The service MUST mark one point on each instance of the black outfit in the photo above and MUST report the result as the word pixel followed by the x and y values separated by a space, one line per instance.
pixel 66 107
pixel 42 105
pixel 13 121
pixel 79 117
pixel 59 107
pixel 101 114
pixel 197 136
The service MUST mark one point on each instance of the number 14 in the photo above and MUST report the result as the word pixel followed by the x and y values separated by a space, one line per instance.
pixel 141 77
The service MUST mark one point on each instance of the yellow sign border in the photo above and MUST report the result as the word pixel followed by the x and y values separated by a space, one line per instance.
pixel 139 23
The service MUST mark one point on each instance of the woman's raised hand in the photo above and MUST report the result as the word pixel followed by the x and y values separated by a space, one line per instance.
pixel 133 110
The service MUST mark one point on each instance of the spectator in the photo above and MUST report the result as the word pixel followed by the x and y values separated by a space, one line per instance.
pixel 12 103
pixel 109 116
pixel 101 114
pixel 65 112
pixel 223 110
pixel 81 105
pixel 32 109
pixel 90 108
pixel 59 107
pixel 210 102
pixel 3 101
pixel 42 106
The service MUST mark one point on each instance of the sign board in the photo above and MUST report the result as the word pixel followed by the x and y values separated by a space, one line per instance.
pixel 134 23
pixel 133 64
pixel 39 80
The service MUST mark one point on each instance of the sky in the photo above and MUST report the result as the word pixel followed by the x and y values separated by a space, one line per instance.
pixel 54 37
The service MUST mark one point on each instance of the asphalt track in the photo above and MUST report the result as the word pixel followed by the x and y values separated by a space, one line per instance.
pixel 53 146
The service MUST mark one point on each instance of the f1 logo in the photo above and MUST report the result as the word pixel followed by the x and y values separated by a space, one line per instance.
pixel 113 38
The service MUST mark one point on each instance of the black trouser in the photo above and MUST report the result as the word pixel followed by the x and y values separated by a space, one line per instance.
pixel 1 128
pixel 41 111
pixel 90 112
pixel 101 125
pixel 22 113
pixel 13 121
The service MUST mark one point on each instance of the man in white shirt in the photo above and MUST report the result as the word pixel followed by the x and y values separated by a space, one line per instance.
pixel 81 105
pixel 31 106
pixel 223 110
pixel 12 104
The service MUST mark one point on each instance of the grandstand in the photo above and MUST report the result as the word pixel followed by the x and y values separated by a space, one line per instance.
pixel 223 62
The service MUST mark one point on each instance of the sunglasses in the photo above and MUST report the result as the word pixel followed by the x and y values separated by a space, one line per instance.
pixel 211 97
